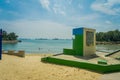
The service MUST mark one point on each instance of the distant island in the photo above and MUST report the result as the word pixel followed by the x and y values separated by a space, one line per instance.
pixel 110 37
pixel 41 39
pixel 9 37
pixel 51 39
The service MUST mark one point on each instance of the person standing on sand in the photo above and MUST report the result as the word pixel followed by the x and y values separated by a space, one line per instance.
pixel 39 48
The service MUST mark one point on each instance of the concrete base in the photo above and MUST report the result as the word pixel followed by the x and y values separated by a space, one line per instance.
pixel 90 63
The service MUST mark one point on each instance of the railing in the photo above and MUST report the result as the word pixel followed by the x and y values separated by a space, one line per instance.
pixel 112 53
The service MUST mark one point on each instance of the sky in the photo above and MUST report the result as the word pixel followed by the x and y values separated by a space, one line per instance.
pixel 57 18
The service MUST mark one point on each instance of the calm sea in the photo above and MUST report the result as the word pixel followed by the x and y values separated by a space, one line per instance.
pixel 50 46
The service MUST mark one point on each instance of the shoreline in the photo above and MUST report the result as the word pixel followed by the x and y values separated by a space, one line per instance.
pixel 10 41
pixel 97 42
pixel 105 43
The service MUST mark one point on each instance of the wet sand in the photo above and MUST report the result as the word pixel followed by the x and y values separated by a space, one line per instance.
pixel 31 68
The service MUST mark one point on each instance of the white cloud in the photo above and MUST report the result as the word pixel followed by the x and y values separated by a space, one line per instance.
pixel 13 13
pixel 113 2
pixel 38 29
pixel 69 2
pixel 7 1
pixel 106 7
pixel 80 6
pixel 45 4
pixel 58 9
pixel 92 21
pixel 89 18
pixel 57 6
pixel 108 22
pixel 62 12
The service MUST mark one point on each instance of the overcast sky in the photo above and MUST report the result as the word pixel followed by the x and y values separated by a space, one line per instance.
pixel 57 18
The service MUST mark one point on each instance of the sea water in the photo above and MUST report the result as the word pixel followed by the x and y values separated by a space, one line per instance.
pixel 39 46
pixel 50 46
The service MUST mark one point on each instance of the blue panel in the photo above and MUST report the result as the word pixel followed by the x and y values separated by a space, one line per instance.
pixel 0 44
pixel 77 31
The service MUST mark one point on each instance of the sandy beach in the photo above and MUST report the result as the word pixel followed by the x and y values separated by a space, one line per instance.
pixel 31 68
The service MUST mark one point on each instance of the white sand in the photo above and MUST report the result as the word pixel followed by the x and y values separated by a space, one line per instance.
pixel 31 68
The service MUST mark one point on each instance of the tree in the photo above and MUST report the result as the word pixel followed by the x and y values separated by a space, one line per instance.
pixel 9 36
pixel 108 36
pixel 4 35
pixel 12 36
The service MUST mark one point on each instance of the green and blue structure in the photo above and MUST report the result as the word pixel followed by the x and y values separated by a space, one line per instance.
pixel 84 42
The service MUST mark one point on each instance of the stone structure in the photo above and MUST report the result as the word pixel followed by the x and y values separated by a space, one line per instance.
pixel 84 43
pixel 12 52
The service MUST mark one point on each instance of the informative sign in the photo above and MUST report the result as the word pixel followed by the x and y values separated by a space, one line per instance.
pixel 89 38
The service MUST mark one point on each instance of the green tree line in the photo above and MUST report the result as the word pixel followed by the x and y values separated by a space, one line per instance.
pixel 110 36
pixel 9 36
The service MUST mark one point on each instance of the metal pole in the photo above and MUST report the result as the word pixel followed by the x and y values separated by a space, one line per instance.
pixel 0 44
